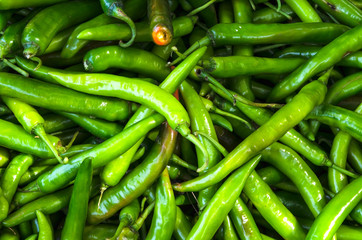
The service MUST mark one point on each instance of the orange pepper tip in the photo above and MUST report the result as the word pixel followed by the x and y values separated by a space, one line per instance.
pixel 161 35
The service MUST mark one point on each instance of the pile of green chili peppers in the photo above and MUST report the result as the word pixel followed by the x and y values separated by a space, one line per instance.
pixel 180 119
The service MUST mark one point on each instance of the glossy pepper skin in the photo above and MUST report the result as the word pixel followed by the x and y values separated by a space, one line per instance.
pixel 283 120
pixel 45 25
pixel 140 179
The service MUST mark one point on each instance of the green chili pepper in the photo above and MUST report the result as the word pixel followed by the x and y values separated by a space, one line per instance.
pixel 32 122
pixel 77 212
pixel 44 26
pixel 99 232
pixel 127 216
pixel 201 121
pixel 9 234
pixel 45 226
pixel 8 4
pixel 101 154
pixel 164 216
pixel 233 66
pixel 59 41
pixel 141 178
pixel 304 11
pixel 243 221
pixel 247 33
pixel 4 157
pixel 268 15
pixel 10 41
pixel 270 207
pixel 55 123
pixel 114 8
pixel 343 11
pixel 73 44
pixel 295 204
pixel 59 98
pixel 324 59
pixel 16 168
pixel 32 173
pixel 97 127
pixel 182 225
pixel 335 212
pixel 281 122
pixel 4 206
pixel 131 59
pixel 222 202
pixel 181 26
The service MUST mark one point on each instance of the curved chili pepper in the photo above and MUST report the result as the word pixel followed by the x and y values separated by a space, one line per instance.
pixel 182 225
pixel 276 126
pixel 336 117
pixel 114 8
pixel 59 41
pixel 324 59
pixel 351 60
pixel 101 154
pixel 73 44
pixel 164 216
pixel 59 98
pixel 141 178
pixel 77 211
pixel 131 59
pixel 293 166
pixel 272 209
pixel 45 226
pixel 43 27
pixel 32 122
pixel 201 121
pixel 336 211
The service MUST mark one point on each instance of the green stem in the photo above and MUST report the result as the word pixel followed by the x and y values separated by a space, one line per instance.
pixel 39 131
pixel 216 144
pixel 178 161
pixel 199 9
pixel 16 68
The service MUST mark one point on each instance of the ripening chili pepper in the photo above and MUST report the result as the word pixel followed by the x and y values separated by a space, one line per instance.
pixel 160 22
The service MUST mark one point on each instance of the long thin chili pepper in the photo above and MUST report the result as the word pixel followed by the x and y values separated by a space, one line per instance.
pixel 45 226
pixel 276 127
pixel 324 59
pixel 77 212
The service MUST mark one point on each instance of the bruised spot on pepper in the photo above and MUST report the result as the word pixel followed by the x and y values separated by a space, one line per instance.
pixel 332 6
pixel 346 54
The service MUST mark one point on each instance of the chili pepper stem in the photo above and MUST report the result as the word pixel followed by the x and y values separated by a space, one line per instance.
pixel 31 51
pixel 161 35
pixel 254 104
pixel 199 9
pixel 278 10
pixel 205 41
pixel 16 68
pixel 207 77
pixel 38 60
pixel 219 147
pixel 344 171
pixel 39 131
pixel 226 114
pixel 139 222
pixel 186 133
pixel 103 189
pixel 123 223
pixel 69 145
pixel 177 160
